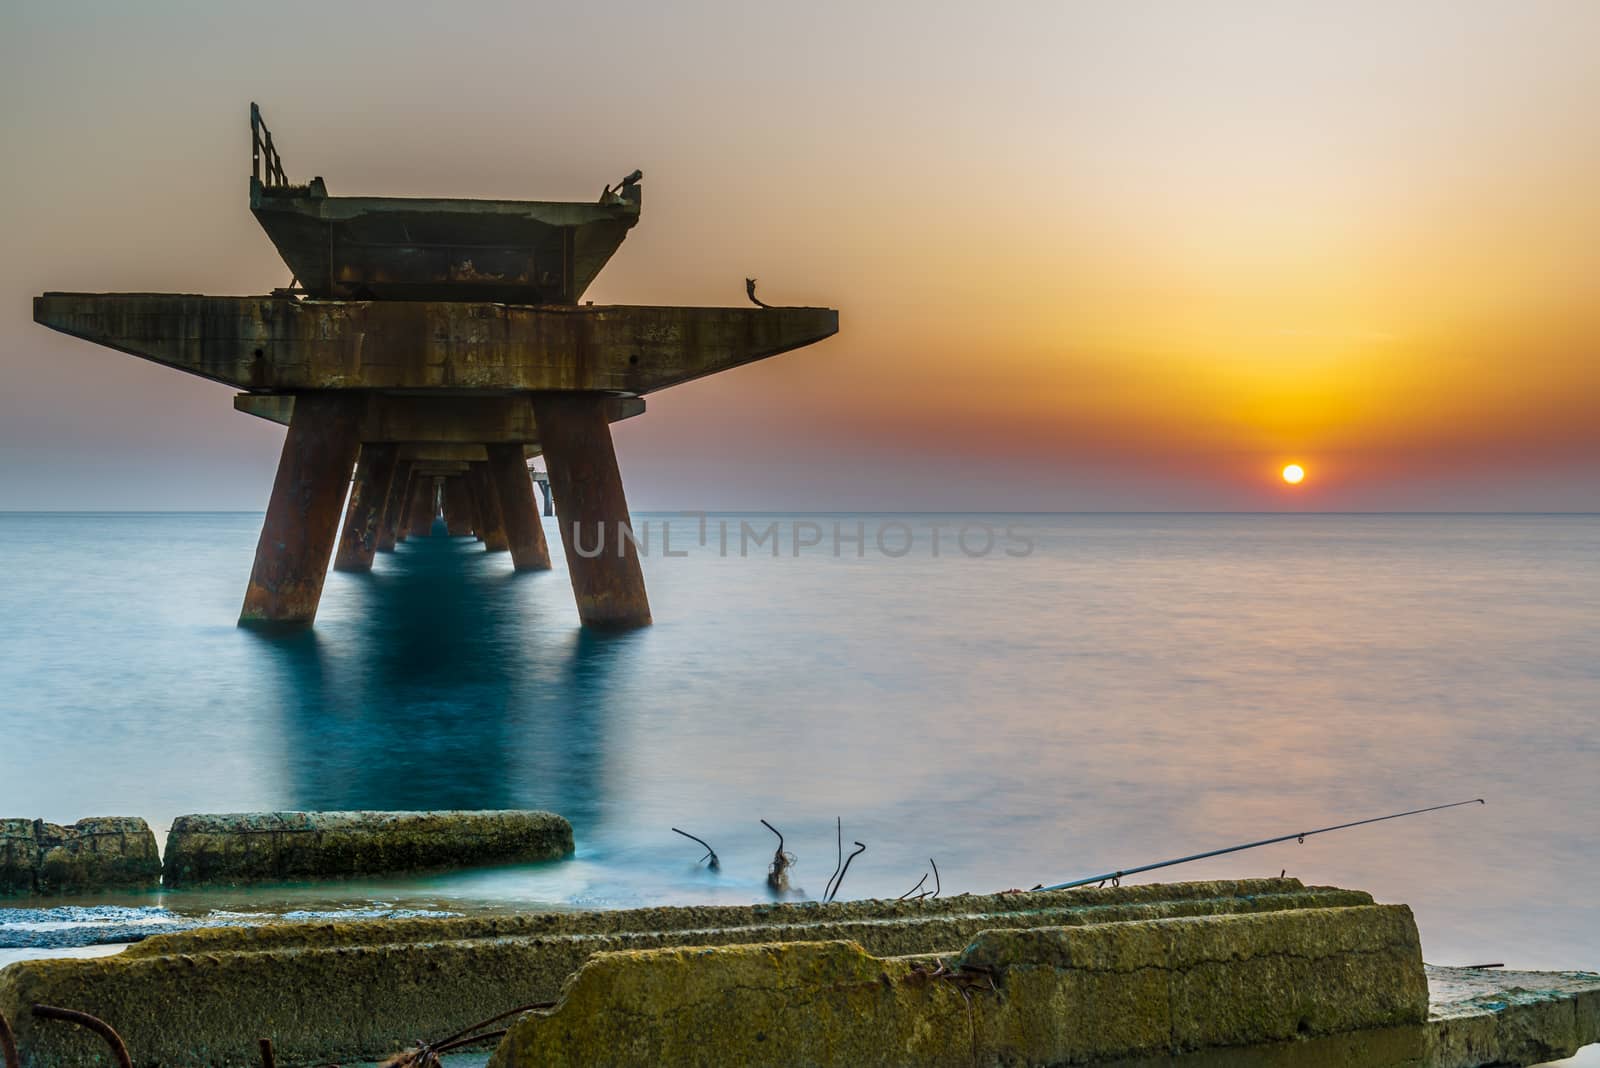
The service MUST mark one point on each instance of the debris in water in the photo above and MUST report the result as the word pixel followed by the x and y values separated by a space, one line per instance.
pixel 778 873
pixel 715 864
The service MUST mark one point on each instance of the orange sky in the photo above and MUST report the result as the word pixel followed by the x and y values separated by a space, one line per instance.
pixel 1087 256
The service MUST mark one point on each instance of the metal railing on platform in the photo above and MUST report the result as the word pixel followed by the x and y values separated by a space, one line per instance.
pixel 261 146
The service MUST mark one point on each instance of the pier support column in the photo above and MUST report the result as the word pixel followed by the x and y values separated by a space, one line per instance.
pixel 549 498
pixel 394 503
pixel 592 509
pixel 474 508
pixel 419 521
pixel 490 515
pixel 457 516
pixel 363 516
pixel 508 470
pixel 302 520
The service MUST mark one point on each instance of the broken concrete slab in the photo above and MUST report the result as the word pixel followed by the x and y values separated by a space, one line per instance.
pixel 219 990
pixel 1044 996
pixel 353 990
pixel 239 848
pixel 99 853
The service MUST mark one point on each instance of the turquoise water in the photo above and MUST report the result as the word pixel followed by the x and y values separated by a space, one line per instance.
pixel 1134 688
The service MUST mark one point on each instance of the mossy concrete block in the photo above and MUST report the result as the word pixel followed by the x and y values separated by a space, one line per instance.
pixel 1493 1016
pixel 254 847
pixel 884 927
pixel 478 966
pixel 1065 995
pixel 19 856
pixel 100 853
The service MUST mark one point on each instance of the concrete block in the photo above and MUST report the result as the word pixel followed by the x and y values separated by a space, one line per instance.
pixel 100 853
pixel 1062 995
pixel 238 848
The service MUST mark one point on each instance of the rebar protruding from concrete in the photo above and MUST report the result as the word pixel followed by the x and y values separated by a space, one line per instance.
pixel 363 516
pixel 519 513
pixel 592 509
pixel 778 872
pixel 119 1050
pixel 861 847
pixel 302 519
pixel 8 1044
pixel 715 864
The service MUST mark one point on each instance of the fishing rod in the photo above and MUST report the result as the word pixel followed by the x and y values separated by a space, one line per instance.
pixel 1116 876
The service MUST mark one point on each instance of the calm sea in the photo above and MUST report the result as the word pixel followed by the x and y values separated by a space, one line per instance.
pixel 1134 687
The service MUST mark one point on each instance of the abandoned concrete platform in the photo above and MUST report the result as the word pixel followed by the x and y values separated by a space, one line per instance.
pixel 1266 969
pixel 417 324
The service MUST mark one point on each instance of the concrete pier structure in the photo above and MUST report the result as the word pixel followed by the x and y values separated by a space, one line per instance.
pixel 453 502
pixel 507 469
pixel 504 367
pixel 491 520
pixel 393 505
pixel 592 510
pixel 303 514
pixel 363 514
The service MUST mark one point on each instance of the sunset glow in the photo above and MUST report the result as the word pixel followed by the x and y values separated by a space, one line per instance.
pixel 1294 474
pixel 1129 265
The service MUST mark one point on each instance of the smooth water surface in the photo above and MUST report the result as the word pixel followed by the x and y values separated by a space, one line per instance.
pixel 1137 687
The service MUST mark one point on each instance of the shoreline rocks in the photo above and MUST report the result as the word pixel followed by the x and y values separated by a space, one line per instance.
pixel 44 859
pixel 253 847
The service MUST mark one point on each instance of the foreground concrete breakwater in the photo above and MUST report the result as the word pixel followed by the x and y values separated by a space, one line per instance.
pixel 1043 996
pixel 252 847
pixel 345 991
pixel 100 853
pixel 1135 975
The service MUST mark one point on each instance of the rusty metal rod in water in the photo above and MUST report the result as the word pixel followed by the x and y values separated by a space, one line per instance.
pixel 1114 876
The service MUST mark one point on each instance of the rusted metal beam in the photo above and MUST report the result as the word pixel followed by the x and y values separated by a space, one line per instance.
pixel 592 510
pixel 302 519
pixel 490 514
pixel 282 344
pixel 363 515
pixel 508 470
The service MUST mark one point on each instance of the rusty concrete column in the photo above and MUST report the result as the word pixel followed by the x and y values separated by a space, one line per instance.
pixel 363 516
pixel 508 470
pixel 303 514
pixel 474 509
pixel 394 503
pixel 493 524
pixel 591 509
pixel 423 507
pixel 453 498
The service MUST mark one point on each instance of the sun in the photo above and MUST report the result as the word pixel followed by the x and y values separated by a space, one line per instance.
pixel 1294 474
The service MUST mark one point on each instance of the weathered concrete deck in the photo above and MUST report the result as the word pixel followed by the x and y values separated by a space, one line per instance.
pixel 281 344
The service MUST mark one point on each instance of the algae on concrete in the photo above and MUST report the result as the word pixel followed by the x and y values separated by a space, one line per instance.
pixel 99 853
pixel 240 848
pixel 1063 995
pixel 367 988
